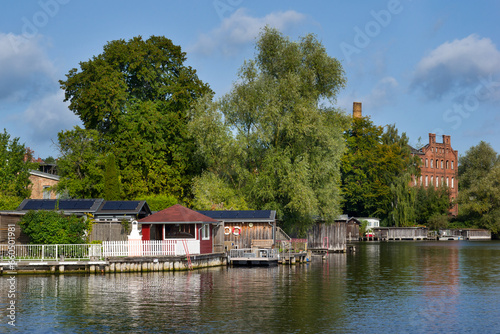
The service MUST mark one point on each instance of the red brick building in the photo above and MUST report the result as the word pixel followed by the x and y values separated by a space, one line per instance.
pixel 439 166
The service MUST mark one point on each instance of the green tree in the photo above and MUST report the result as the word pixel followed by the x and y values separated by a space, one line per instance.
pixel 271 139
pixel 479 192
pixel 136 95
pixel 111 179
pixel 376 173
pixel 80 163
pixel 15 163
pixel 159 202
pixel 432 206
pixel 51 227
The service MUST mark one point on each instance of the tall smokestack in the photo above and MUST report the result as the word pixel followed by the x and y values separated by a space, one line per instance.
pixel 356 110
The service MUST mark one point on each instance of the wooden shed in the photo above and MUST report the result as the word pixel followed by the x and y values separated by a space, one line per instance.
pixel 327 237
pixel 352 232
pixel 244 227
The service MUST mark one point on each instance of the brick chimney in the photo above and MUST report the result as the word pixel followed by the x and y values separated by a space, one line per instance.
pixel 356 110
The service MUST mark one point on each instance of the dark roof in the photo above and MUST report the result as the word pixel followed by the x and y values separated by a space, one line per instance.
pixel 67 205
pixel 242 215
pixel 124 207
pixel 95 206
pixel 176 214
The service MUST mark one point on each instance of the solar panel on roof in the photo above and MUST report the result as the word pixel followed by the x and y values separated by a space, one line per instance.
pixel 245 214
pixel 128 205
pixel 66 205
pixel 111 205
pixel 32 205
pixel 83 205
pixel 47 205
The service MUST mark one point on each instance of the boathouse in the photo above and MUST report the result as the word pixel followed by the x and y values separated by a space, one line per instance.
pixel 352 233
pixel 400 233
pixel 328 237
pixel 182 225
pixel 245 228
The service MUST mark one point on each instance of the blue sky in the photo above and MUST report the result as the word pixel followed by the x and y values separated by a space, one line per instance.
pixel 426 66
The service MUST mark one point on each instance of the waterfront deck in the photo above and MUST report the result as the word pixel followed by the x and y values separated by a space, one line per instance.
pixel 253 257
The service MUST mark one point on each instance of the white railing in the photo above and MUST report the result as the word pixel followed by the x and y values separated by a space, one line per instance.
pixel 51 252
pixel 173 247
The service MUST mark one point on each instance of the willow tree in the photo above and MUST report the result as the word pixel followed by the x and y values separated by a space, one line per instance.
pixel 276 138
pixel 136 94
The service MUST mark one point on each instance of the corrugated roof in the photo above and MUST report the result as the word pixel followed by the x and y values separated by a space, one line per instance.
pixel 177 214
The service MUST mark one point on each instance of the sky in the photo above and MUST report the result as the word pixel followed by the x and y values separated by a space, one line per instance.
pixel 426 66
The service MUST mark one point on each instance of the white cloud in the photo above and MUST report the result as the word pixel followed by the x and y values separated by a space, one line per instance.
pixel 456 66
pixel 47 116
pixel 240 29
pixel 25 70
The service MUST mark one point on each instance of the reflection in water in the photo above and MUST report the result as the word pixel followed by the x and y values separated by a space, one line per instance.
pixel 382 287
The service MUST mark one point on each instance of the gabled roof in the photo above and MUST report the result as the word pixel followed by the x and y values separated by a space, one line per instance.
pixel 242 215
pixel 176 214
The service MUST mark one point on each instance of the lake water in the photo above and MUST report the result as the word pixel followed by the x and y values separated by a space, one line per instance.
pixel 391 287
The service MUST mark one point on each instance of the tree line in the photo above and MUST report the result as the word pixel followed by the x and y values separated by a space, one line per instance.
pixel 153 130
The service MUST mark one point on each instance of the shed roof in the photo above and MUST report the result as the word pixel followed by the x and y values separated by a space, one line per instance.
pixel 176 214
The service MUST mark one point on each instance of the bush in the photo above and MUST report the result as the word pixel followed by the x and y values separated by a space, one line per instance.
pixel 51 227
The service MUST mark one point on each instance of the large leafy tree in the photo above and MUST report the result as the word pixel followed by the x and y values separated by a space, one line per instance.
pixel 479 192
pixel 376 173
pixel 270 143
pixel 80 163
pixel 136 95
pixel 15 163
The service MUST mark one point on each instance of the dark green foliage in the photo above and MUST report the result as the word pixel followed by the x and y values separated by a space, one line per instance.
pixel 479 188
pixel 432 206
pixel 376 174
pixel 51 227
pixel 111 180
pixel 135 95
pixel 80 163
pixel 15 163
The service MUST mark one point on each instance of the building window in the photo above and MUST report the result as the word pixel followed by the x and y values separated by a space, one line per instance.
pixel 432 179
pixel 427 180
pixel 453 182
pixel 46 192
pixel 442 164
pixel 447 164
pixel 442 181
pixel 420 179
pixel 451 164
pixel 432 164
pixel 447 181
pixel 437 181
pixel 426 162
pixel 205 232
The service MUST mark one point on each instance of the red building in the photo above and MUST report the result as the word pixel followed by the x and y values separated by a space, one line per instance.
pixel 178 223
pixel 439 167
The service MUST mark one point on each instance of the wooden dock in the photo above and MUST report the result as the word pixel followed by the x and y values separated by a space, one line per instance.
pixel 253 257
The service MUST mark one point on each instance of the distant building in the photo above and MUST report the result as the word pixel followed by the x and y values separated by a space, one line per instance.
pixel 439 167
pixel 42 185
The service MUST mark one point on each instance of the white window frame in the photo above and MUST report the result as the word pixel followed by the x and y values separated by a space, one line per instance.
pixel 205 232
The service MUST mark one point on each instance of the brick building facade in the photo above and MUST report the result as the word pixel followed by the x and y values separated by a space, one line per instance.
pixel 439 167
pixel 41 185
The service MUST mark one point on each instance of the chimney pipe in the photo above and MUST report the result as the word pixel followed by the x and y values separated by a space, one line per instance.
pixel 356 110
